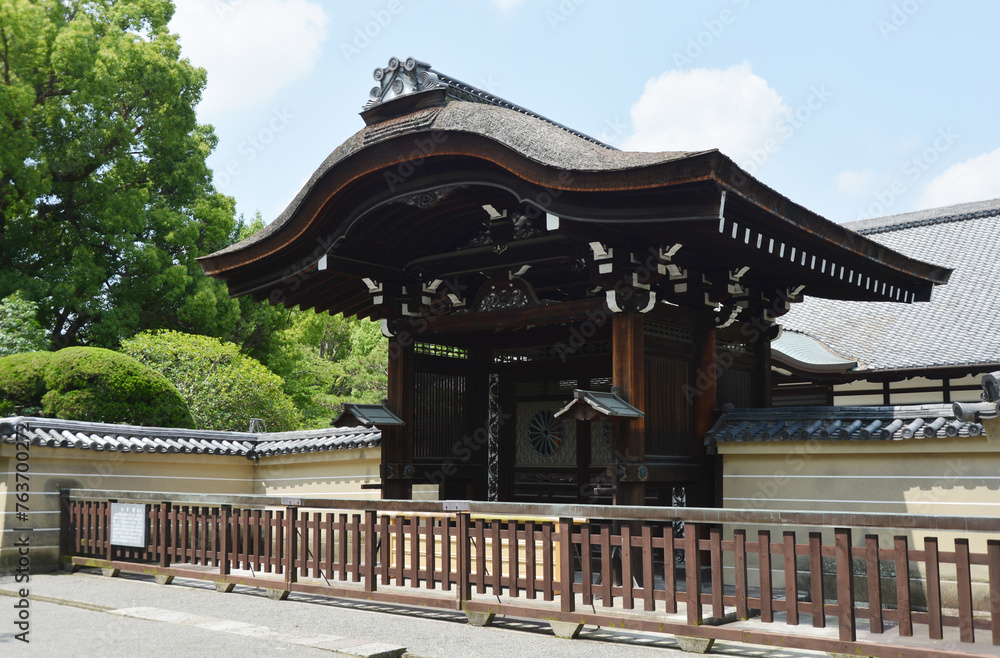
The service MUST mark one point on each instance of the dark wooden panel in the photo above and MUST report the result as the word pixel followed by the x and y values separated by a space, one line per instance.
pixel 440 415
pixel 736 386
pixel 669 426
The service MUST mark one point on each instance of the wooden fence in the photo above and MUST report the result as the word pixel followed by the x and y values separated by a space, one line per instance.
pixel 577 564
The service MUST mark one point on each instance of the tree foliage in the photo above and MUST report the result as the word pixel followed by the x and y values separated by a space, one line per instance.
pixel 90 384
pixel 327 360
pixel 224 388
pixel 105 196
pixel 19 327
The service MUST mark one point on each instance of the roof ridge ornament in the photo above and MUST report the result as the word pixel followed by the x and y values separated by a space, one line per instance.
pixel 401 78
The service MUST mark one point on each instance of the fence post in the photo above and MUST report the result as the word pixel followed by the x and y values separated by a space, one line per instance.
pixel 463 559
pixel 567 599
pixel 67 530
pixel 291 544
pixel 371 583
pixel 692 576
pixel 845 584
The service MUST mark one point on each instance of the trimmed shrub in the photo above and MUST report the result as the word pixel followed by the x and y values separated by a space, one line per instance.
pixel 90 384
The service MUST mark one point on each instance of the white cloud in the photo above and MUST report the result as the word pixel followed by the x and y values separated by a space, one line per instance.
pixel 976 179
pixel 733 110
pixel 250 48
pixel 860 183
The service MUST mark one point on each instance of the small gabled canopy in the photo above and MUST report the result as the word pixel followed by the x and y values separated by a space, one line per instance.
pixel 368 415
pixel 598 405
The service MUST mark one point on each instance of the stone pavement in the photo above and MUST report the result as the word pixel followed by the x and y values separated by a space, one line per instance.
pixel 86 614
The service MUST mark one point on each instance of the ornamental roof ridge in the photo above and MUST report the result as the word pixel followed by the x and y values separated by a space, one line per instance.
pixel 404 78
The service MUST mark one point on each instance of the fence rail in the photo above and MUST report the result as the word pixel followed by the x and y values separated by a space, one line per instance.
pixel 579 564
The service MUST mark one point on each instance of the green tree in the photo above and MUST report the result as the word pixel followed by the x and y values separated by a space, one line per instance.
pixel 19 327
pixel 330 360
pixel 105 197
pixel 223 388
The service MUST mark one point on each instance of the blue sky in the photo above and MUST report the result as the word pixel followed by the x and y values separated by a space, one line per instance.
pixel 853 109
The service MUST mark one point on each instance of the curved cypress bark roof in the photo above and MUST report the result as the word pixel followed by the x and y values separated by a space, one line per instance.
pixel 405 200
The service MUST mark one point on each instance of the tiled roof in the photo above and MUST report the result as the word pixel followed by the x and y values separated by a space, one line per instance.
pixel 875 423
pixel 57 433
pixel 960 325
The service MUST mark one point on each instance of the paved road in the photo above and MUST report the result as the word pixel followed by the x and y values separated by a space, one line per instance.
pixel 90 615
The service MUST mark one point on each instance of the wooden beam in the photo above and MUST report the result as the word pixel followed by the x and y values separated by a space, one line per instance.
pixel 512 318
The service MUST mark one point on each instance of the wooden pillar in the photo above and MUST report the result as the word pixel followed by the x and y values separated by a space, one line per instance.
pixel 480 363
pixel 397 442
pixel 628 374
pixel 706 383
pixel 762 352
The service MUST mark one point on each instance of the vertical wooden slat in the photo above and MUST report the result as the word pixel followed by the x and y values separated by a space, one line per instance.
pixel 203 535
pixel 648 603
pixel 224 540
pixel 161 535
pixel 268 516
pixel 607 577
pixel 874 585
pixel 400 520
pixel 933 568
pixel 586 564
pixel 791 580
pixel 567 599
pixel 371 541
pixel 356 547
pixel 384 553
pixel 303 538
pixel 342 546
pixel 529 558
pixel 816 589
pixel 446 553
pixel 692 574
pixel 715 550
pixel 964 576
pixel 904 618
pixel 993 562
pixel 279 542
pixel 626 552
pixel 328 553
pixel 183 521
pixel 766 593
pixel 480 539
pixel 414 527
pixel 291 544
pixel 669 569
pixel 548 578
pixel 740 579
pixel 258 537
pixel 103 542
pixel 317 544
pixel 244 538
pixel 513 566
pixel 430 545
pixel 497 556
pixel 845 585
